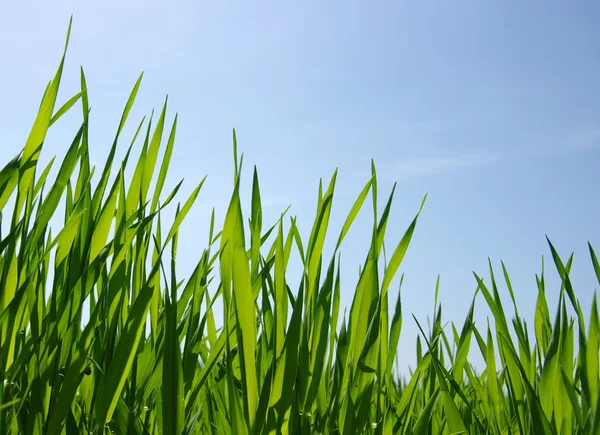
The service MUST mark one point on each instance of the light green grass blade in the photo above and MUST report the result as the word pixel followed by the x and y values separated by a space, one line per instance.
pixel 9 177
pixel 399 252
pixel 66 107
pixel 32 148
pixel 164 165
pixel 354 212
pixel 235 272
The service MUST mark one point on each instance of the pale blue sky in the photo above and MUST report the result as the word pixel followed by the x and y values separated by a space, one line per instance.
pixel 491 109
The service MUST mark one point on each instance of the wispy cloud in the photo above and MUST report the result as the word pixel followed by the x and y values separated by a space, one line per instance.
pixel 584 139
pixel 578 141
pixel 418 167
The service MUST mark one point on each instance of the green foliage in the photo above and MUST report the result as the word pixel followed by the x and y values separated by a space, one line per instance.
pixel 150 359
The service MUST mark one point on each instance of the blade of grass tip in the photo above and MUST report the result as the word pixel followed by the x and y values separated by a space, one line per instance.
pixel 129 105
pixel 235 158
pixel 400 251
pixel 298 241
pixel 41 181
pixel 374 191
pixel 320 195
pixel 543 326
pixel 255 225
pixel 85 106
pixel 32 148
pixel 318 233
pixel 52 200
pixel 567 285
pixel 382 226
pixel 135 194
pixel 289 241
pixel 65 107
pixel 315 248
pixel 563 274
pixel 184 211
pixel 354 212
pixel 9 177
pixel 165 165
pixel 594 262
pixel 100 189
pixel 152 155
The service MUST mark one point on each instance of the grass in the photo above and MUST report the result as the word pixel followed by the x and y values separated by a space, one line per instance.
pixel 150 359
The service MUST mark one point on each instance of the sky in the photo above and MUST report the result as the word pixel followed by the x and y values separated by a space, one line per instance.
pixel 490 108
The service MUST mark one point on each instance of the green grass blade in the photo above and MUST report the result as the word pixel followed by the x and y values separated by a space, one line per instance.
pixel 124 354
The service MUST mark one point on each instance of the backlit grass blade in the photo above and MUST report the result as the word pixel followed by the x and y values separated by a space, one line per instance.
pixel 51 202
pixel 9 177
pixel 124 354
pixel 399 252
pixel 285 377
pixel 319 337
pixel 37 135
pixel 353 212
pixel 151 157
pixel 65 107
pixel 595 262
pixel 41 181
pixel 164 165
pixel 235 273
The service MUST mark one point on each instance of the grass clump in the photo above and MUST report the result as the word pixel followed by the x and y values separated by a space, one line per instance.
pixel 150 359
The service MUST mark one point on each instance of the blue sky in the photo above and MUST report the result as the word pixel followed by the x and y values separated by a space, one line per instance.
pixel 492 108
